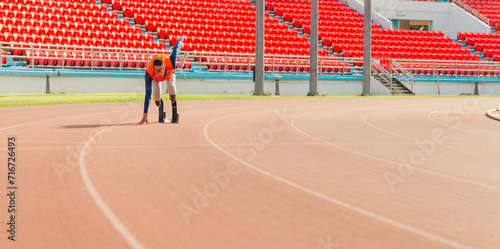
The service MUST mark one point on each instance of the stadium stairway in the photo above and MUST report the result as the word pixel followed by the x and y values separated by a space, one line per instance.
pixel 394 85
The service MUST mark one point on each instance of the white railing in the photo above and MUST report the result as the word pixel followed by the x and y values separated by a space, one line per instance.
pixel 405 77
pixel 92 58
pixel 95 58
pixel 382 73
pixel 473 12
pixel 440 68
pixel 376 9
pixel 289 64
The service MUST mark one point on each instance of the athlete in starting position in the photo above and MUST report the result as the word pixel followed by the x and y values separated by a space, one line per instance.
pixel 161 68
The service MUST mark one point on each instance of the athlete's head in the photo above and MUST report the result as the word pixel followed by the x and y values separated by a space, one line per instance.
pixel 158 65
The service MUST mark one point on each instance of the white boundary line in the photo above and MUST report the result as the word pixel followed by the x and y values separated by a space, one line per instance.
pixel 330 199
pixel 117 224
pixel 413 138
pixel 113 147
pixel 43 120
pixel 391 162
pixel 457 128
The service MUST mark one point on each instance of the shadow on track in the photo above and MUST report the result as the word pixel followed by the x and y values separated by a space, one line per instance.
pixel 94 126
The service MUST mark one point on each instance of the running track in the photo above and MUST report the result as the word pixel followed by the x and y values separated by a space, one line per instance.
pixel 282 173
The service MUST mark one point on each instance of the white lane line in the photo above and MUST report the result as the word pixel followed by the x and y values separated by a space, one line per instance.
pixel 330 199
pixel 413 138
pixel 456 127
pixel 34 122
pixel 384 130
pixel 391 162
pixel 117 224
pixel 112 147
pixel 43 120
pixel 22 110
pixel 456 112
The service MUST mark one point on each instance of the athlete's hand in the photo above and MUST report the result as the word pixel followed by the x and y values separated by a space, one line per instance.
pixel 144 119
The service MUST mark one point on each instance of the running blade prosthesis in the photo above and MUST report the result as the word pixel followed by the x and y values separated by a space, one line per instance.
pixel 161 114
pixel 175 118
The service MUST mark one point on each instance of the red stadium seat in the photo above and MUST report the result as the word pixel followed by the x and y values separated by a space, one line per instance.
pixel 77 56
pixel 139 20
pixel 4 59
pixel 69 59
pixel 117 6
pixel 307 30
pixel 151 27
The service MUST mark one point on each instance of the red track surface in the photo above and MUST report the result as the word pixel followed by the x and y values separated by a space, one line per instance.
pixel 287 173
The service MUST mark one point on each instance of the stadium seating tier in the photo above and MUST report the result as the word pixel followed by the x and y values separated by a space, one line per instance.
pixel 215 26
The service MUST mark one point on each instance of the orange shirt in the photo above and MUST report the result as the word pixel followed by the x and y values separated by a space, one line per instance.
pixel 168 68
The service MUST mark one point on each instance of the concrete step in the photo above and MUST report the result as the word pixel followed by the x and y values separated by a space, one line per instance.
pixel 396 89
pixel 410 94
pixel 401 90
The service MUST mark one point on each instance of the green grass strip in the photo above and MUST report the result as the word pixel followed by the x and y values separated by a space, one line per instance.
pixel 12 100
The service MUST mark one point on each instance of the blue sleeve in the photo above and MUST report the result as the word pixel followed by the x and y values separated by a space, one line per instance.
pixel 175 53
pixel 147 98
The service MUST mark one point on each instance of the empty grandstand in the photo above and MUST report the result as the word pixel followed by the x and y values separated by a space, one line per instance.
pixel 220 37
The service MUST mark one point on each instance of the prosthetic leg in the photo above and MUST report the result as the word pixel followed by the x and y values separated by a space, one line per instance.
pixel 161 112
pixel 175 115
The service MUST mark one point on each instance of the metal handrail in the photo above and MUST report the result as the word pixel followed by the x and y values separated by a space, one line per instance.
pixel 92 52
pixel 474 12
pixel 298 64
pixel 400 71
pixel 380 71
pixel 473 67
pixel 376 9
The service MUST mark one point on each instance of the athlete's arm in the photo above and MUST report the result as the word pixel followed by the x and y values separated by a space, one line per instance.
pixel 175 52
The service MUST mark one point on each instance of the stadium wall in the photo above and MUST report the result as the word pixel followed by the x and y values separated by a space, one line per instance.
pixel 22 84
pixel 427 88
pixel 20 80
pixel 289 85
pixel 68 84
